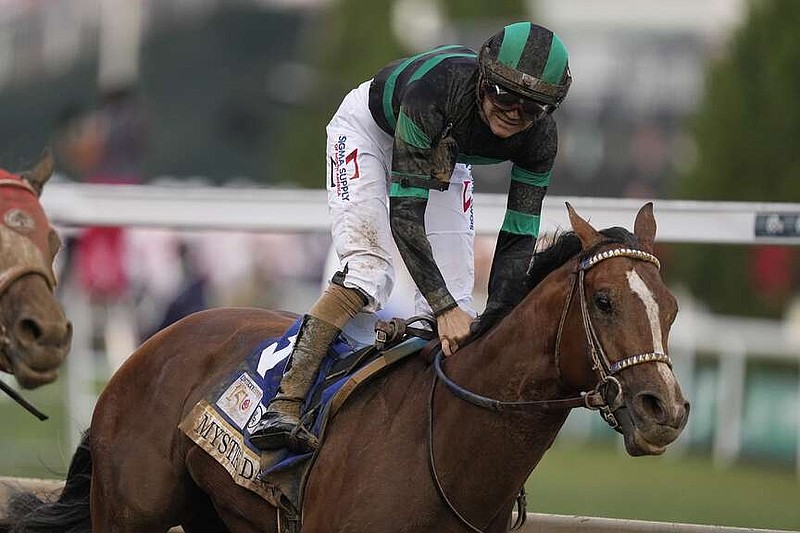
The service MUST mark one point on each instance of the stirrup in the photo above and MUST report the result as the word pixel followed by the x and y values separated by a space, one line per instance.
pixel 277 430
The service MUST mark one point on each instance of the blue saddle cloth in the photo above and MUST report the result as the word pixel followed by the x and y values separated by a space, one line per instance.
pixel 242 397
pixel 221 422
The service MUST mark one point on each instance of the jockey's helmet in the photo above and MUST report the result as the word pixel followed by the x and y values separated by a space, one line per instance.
pixel 529 60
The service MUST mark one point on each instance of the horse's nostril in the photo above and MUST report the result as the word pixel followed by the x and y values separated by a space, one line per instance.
pixel 29 330
pixel 652 407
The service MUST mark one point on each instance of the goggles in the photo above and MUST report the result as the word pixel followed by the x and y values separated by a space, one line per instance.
pixel 508 101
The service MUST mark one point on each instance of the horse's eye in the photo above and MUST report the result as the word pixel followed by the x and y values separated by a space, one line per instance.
pixel 603 302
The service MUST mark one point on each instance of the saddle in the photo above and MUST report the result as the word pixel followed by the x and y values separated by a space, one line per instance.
pixel 221 423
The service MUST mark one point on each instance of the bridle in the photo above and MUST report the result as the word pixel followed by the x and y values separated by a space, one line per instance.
pixel 608 386
pixel 15 272
pixel 7 278
pixel 606 398
pixel 604 368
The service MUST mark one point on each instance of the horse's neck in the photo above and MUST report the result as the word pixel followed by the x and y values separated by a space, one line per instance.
pixel 516 359
pixel 514 362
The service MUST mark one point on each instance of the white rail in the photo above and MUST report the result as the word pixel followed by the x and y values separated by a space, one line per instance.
pixel 305 210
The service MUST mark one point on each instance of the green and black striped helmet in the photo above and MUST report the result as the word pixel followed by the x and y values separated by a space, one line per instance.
pixel 529 60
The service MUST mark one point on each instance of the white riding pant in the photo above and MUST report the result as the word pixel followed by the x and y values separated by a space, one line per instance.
pixel 358 179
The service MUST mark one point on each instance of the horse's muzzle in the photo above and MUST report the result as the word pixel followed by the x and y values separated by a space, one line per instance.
pixel 649 426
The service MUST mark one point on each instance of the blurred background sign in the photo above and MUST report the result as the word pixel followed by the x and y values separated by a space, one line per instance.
pixel 777 225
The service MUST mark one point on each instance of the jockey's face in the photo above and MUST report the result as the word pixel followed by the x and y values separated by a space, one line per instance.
pixel 504 122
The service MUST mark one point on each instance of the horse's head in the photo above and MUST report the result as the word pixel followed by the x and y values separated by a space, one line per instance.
pixel 620 315
pixel 35 335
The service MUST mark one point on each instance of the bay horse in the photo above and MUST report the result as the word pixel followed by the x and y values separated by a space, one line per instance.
pixel 403 453
pixel 35 335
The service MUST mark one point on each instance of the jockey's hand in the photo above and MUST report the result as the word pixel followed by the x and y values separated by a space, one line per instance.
pixel 453 326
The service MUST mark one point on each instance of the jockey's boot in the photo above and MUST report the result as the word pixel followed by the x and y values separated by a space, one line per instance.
pixel 280 426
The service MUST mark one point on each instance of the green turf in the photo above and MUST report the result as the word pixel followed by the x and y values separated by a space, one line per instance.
pixel 30 447
pixel 601 480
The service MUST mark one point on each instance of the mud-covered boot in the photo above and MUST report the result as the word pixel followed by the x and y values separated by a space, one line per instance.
pixel 280 426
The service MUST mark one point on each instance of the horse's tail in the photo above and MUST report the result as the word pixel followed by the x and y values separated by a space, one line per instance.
pixel 70 512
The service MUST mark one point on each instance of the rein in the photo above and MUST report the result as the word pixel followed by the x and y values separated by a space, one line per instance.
pixel 520 500
pixel 14 395
pixel 597 399
pixel 590 400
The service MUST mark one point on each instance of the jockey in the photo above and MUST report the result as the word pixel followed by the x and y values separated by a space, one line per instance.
pixel 408 137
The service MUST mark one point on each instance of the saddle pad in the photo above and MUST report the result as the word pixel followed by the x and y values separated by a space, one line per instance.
pixel 221 422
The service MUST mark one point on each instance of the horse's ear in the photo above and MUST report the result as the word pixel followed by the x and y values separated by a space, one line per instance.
pixel 39 174
pixel 645 227
pixel 586 233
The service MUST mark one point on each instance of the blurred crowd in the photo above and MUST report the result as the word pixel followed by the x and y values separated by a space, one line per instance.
pixel 138 281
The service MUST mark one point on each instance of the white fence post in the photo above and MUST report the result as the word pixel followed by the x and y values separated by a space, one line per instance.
pixel 730 401
pixel 80 368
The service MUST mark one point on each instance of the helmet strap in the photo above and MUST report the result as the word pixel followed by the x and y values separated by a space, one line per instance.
pixel 479 96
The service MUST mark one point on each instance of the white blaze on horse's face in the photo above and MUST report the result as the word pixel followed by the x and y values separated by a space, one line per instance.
pixel 640 289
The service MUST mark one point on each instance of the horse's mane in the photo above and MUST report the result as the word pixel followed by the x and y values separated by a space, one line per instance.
pixel 565 246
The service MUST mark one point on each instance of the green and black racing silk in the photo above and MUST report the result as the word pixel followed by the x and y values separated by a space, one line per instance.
pixel 429 104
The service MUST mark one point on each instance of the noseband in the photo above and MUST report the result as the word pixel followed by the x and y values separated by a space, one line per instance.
pixel 606 398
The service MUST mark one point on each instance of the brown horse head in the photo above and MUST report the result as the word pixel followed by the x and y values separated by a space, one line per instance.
pixel 35 335
pixel 621 316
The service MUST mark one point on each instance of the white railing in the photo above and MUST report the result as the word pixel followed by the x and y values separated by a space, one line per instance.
pixel 305 210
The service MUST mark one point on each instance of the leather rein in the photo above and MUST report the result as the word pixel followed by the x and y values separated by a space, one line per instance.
pixel 606 397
